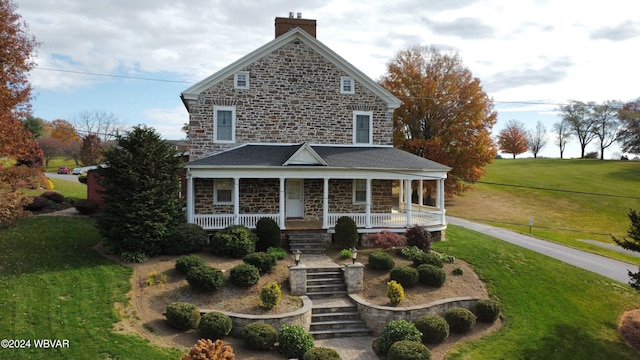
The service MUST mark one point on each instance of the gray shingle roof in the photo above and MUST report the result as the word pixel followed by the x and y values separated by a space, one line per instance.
pixel 334 156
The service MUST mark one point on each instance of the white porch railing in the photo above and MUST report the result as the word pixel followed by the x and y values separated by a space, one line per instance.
pixel 378 220
pixel 221 221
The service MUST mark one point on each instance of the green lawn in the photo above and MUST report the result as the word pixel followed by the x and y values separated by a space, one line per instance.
pixel 567 216
pixel 551 310
pixel 53 285
pixel 57 162
pixel 70 189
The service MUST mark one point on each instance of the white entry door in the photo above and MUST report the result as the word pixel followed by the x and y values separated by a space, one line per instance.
pixel 295 198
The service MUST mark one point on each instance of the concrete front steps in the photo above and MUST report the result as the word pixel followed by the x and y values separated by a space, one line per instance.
pixel 308 242
pixel 333 315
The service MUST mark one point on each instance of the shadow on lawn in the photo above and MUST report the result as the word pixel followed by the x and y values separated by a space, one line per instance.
pixel 570 342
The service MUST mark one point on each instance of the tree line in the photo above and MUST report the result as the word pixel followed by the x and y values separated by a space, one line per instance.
pixel 606 123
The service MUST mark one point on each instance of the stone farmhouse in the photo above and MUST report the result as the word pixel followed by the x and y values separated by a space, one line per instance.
pixel 294 132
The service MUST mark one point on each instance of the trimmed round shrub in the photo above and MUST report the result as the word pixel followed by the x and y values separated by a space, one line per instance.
pixel 270 295
pixel 244 275
pixel 82 179
pixel 321 353
pixel 460 320
pixel 457 271
pixel 346 233
pixel 214 326
pixel 397 330
pixel 487 311
pixel 235 241
pixel 408 350
pixel 182 316
pixel 263 261
pixel 187 262
pixel 268 233
pixel 294 341
pixel 427 258
pixel 205 278
pixel 420 237
pixel 432 275
pixel 405 275
pixel 434 328
pixel 53 196
pixel 86 206
pixel 381 260
pixel 185 239
pixel 259 336
pixel 37 203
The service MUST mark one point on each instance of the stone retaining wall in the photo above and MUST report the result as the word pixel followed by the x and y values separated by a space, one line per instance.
pixel 300 317
pixel 377 316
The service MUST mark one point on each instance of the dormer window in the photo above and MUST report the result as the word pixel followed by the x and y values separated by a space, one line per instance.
pixel 241 80
pixel 346 85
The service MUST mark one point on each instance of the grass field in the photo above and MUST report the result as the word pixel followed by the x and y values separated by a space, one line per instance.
pixel 55 286
pixel 579 211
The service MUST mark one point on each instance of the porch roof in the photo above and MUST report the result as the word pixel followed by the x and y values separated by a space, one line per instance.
pixel 268 155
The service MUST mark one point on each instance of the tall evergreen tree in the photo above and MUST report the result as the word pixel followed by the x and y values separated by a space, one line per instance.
pixel 141 184
pixel 632 243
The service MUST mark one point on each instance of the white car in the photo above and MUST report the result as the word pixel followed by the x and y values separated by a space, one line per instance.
pixel 77 171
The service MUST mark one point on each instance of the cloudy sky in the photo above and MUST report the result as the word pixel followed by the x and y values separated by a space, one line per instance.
pixel 530 55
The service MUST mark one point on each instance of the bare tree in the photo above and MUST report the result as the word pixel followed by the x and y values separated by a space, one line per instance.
pixel 606 123
pixel 577 114
pixel 563 134
pixel 101 123
pixel 537 139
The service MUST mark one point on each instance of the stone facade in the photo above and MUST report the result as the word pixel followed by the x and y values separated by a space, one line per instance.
pixel 293 97
pixel 262 196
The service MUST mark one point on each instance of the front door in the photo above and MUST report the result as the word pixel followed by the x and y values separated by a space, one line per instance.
pixel 295 198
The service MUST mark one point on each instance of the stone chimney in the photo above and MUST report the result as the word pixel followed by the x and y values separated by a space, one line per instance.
pixel 285 24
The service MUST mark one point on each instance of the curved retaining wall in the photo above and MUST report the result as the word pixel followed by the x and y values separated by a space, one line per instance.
pixel 300 317
pixel 377 316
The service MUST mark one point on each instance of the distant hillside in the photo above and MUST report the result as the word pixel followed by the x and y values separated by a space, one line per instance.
pixel 569 200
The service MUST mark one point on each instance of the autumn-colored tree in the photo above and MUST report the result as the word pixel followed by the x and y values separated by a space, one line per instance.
pixel 72 151
pixel 537 139
pixel 513 138
pixel 51 147
pixel 446 116
pixel 16 49
pixel 91 150
pixel 63 131
pixel 101 123
pixel 629 134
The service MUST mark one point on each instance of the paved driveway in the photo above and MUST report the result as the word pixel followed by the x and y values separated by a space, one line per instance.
pixel 613 269
pixel 67 177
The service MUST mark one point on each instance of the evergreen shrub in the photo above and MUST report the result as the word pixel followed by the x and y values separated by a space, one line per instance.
pixel 346 233
pixel 182 315
pixel 244 275
pixel 406 276
pixel 427 258
pixel 270 295
pixel 380 260
pixel 205 278
pixel 214 325
pixel 397 330
pixel 408 350
pixel 460 320
pixel 185 239
pixel 294 341
pixel 432 275
pixel 321 353
pixel 263 261
pixel 268 233
pixel 259 336
pixel 236 241
pixel 434 328
pixel 487 311
pixel 186 262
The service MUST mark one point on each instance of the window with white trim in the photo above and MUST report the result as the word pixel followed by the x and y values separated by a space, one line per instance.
pixel 223 191
pixel 241 80
pixel 224 123
pixel 359 191
pixel 346 85
pixel 362 127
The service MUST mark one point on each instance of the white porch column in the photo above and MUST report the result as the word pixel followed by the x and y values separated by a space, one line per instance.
pixel 400 193
pixel 420 193
pixel 191 208
pixel 282 204
pixel 236 201
pixel 367 206
pixel 325 204
pixel 408 201
pixel 440 195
